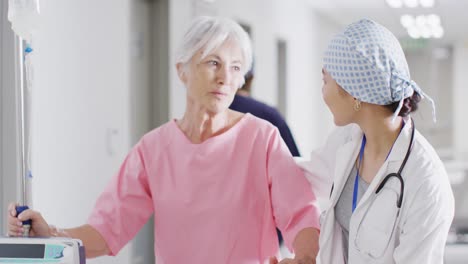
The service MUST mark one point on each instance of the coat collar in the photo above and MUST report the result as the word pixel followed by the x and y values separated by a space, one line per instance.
pixel 400 147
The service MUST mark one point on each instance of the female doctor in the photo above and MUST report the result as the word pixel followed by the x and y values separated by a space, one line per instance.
pixel 390 198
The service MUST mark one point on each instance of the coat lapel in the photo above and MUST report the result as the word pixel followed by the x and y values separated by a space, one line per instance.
pixel 345 157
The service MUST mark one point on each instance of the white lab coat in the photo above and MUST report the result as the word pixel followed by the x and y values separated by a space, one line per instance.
pixel 419 233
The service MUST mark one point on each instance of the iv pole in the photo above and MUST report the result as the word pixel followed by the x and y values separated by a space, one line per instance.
pixel 24 18
pixel 21 129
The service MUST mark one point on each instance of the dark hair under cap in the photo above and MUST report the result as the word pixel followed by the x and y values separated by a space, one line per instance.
pixel 410 104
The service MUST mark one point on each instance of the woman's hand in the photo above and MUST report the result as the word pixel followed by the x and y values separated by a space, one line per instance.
pixel 39 226
pixel 92 240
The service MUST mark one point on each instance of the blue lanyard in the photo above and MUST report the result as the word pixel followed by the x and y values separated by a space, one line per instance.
pixel 356 180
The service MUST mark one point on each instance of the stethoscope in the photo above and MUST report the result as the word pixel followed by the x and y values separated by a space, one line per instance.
pixel 389 176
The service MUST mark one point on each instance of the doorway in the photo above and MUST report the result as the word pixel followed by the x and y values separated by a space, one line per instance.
pixel 9 159
pixel 281 49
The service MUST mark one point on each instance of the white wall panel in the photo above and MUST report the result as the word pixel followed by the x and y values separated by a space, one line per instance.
pixel 80 107
pixel 460 95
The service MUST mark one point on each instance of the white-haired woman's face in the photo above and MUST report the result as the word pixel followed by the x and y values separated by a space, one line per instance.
pixel 213 81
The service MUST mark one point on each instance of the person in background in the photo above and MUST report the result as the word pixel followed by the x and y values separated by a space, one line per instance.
pixel 391 199
pixel 245 104
pixel 218 181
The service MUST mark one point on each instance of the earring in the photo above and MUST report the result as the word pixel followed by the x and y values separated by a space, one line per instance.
pixel 357 105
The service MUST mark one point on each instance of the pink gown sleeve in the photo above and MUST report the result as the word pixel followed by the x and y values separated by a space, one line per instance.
pixel 125 205
pixel 294 203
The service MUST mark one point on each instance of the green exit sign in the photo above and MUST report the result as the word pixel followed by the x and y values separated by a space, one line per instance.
pixel 414 44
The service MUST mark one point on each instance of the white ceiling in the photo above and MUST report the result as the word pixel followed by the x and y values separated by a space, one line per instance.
pixel 453 14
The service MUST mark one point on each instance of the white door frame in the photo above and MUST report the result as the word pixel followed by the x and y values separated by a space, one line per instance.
pixel 150 101
pixel 9 159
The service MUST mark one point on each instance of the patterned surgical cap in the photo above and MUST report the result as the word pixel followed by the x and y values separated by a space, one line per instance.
pixel 367 61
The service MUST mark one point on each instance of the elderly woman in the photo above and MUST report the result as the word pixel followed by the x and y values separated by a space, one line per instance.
pixel 391 200
pixel 217 181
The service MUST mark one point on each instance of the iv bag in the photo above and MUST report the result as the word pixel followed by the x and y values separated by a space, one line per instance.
pixel 24 17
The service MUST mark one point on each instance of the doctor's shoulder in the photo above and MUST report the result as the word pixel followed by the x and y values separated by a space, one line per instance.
pixel 319 167
pixel 325 154
pixel 427 179
pixel 426 160
pixel 342 135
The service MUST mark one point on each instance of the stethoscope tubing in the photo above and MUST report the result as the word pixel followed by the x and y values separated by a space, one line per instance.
pixel 398 174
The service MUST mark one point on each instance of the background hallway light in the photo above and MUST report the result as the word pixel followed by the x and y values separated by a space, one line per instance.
pixel 427 3
pixel 433 20
pixel 410 3
pixel 422 26
pixel 438 32
pixel 407 21
pixel 395 3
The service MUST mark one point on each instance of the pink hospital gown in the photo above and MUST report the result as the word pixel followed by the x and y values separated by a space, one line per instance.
pixel 214 202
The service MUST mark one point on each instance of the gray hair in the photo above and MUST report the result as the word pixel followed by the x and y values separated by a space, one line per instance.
pixel 209 33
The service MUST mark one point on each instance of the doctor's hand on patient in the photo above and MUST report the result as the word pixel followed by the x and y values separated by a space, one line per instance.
pixel 305 247
pixel 305 260
pixel 39 226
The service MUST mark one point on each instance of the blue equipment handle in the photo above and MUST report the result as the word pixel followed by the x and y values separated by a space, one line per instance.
pixel 19 210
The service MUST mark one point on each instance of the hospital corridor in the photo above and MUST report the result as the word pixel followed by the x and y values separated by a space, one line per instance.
pixel 85 83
